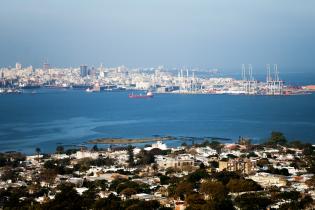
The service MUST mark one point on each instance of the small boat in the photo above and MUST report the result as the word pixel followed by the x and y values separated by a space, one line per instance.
pixel 148 95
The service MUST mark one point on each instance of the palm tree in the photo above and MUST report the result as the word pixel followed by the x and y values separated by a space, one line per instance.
pixel 59 149
pixel 37 152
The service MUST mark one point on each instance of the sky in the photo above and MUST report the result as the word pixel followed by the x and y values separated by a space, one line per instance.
pixel 143 33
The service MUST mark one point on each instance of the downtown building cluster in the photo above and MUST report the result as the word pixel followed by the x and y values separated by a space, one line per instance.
pixel 159 79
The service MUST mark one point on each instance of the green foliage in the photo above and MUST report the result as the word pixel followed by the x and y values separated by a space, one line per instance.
pixel 48 175
pixel 181 189
pixel 184 144
pixel 292 195
pixel 111 202
pixel 9 173
pixel 263 162
pixel 252 201
pixel 71 151
pixel 213 144
pixel 277 138
pixel 302 203
pixel 10 198
pixel 60 166
pixel 89 197
pixel 282 171
pixel 59 149
pixel 12 159
pixel 68 198
pixel 119 185
pixel 216 196
pixel 243 185
pixel 95 148
pixel 214 164
pixel 197 176
pixel 195 199
pixel 308 150
pixel 84 164
pixel 215 190
pixel 144 205
pixel 225 176
pixel 164 180
pixel 128 192
pixel 144 157
pixel 102 161
pixel 231 156
pixel 311 182
pixel 251 154
pixel 131 160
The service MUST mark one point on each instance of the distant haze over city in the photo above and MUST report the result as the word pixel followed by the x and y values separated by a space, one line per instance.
pixel 205 34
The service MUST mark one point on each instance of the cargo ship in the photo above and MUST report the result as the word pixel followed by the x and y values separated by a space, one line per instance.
pixel 148 95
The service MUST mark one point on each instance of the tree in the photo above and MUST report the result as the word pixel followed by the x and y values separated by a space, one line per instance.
pixel 291 195
pixel 308 150
pixel 128 192
pixel 311 182
pixel 130 155
pixel 263 162
pixel 252 154
pixel 216 196
pixel 164 180
pixel 111 202
pixel 195 199
pixel 84 164
pixel 169 170
pixel 48 176
pixel 197 176
pixel 225 176
pixel 277 138
pixel 252 201
pixel 95 148
pixel 155 167
pixel 59 149
pixel 216 145
pixel 145 157
pixel 37 150
pixel 182 189
pixel 213 190
pixel 89 197
pixel 129 184
pixel 68 198
pixel 143 205
pixel 9 173
pixel 243 185
pixel 306 201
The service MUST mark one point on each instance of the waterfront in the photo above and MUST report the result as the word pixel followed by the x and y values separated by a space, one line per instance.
pixel 71 117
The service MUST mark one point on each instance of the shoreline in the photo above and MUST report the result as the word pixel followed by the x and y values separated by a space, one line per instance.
pixel 128 140
pixel 151 139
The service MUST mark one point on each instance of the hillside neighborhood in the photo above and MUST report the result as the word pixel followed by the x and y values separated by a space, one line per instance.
pixel 275 175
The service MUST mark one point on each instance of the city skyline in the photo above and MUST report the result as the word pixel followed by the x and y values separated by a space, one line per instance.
pixel 141 34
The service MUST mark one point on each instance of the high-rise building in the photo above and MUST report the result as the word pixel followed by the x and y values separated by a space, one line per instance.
pixel 93 71
pixel 83 70
pixel 46 66
pixel 18 66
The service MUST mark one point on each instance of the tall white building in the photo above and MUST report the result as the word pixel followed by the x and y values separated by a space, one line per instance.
pixel 18 66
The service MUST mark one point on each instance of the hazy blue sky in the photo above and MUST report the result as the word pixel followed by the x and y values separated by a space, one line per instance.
pixel 202 33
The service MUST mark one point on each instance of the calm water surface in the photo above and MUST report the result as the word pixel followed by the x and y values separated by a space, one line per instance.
pixel 52 117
